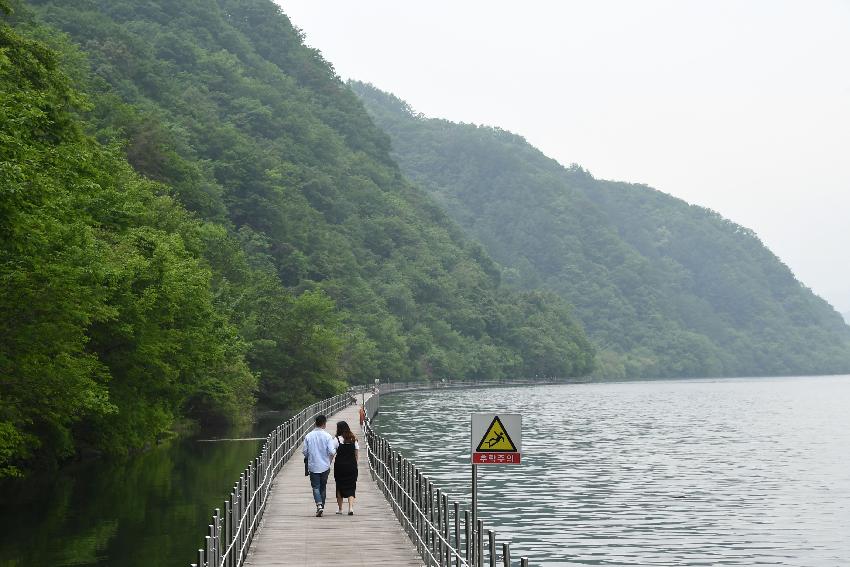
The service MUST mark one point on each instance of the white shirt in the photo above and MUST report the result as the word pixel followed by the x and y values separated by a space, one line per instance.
pixel 318 447
pixel 339 441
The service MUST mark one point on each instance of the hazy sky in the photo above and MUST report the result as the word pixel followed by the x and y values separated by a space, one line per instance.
pixel 739 106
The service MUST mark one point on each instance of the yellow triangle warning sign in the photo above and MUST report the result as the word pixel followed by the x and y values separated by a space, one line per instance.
pixel 496 438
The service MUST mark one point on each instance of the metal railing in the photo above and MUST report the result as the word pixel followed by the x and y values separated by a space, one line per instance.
pixel 232 527
pixel 443 535
pixel 389 387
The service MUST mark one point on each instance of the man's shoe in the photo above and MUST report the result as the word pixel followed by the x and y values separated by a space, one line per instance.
pixel 319 511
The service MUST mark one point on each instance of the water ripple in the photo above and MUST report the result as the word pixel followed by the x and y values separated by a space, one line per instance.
pixel 751 472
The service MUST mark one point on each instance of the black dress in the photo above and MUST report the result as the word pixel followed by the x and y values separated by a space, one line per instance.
pixel 345 469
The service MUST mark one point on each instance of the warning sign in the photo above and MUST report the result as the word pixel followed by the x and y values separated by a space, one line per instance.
pixel 496 438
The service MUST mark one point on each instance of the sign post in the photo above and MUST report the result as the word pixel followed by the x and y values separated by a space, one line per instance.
pixel 496 439
pixel 474 494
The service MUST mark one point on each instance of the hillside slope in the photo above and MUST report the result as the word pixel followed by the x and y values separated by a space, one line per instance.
pixel 199 216
pixel 221 100
pixel 664 288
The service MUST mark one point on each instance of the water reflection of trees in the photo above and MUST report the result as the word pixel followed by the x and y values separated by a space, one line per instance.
pixel 150 509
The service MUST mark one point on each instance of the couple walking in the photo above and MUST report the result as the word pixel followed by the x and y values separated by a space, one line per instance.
pixel 320 450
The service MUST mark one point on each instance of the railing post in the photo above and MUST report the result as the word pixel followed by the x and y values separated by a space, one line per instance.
pixel 426 536
pixel 467 536
pixel 456 507
pixel 234 523
pixel 288 427
pixel 249 504
pixel 479 543
pixel 439 525
pixel 447 547
pixel 281 444
pixel 430 499
pixel 409 477
pixel 379 459
pixel 264 465
pixel 388 455
pixel 385 469
pixel 402 483
pixel 492 537
pixel 383 466
pixel 506 555
pixel 391 457
pixel 420 517
pixel 426 511
pixel 251 500
pixel 433 514
pixel 217 537
pixel 397 482
pixel 271 458
pixel 255 478
pixel 240 511
pixel 429 514
pixel 256 474
pixel 228 529
pixel 370 452
pixel 407 508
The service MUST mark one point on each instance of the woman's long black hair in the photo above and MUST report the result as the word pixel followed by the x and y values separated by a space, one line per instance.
pixel 342 430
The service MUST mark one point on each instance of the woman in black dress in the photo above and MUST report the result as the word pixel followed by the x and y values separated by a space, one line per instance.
pixel 345 466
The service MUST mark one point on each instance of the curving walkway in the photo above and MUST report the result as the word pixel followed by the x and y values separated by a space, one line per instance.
pixel 291 534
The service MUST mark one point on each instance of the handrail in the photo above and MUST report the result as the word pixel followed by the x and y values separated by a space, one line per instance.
pixel 441 538
pixel 230 534
pixel 389 387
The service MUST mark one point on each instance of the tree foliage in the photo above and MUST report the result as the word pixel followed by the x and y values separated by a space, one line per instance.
pixel 664 288
pixel 217 220
pixel 109 328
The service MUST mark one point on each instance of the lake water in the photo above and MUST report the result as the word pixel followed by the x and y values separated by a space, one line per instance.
pixel 751 472
pixel 148 510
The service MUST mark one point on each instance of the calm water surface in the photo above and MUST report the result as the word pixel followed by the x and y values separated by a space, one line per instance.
pixel 751 472
pixel 149 510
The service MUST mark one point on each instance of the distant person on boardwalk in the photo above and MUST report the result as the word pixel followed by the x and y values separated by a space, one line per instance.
pixel 345 466
pixel 319 449
pixel 362 416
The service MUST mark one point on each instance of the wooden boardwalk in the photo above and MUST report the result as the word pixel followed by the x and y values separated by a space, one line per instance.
pixel 291 534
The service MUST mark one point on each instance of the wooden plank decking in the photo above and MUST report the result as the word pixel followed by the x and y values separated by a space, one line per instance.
pixel 290 534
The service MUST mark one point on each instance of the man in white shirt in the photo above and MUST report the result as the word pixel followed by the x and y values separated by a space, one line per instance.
pixel 319 448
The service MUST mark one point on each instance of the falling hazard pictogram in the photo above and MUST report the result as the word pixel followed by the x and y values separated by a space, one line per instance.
pixel 496 438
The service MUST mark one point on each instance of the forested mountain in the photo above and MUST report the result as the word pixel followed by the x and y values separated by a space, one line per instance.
pixel 664 288
pixel 196 213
